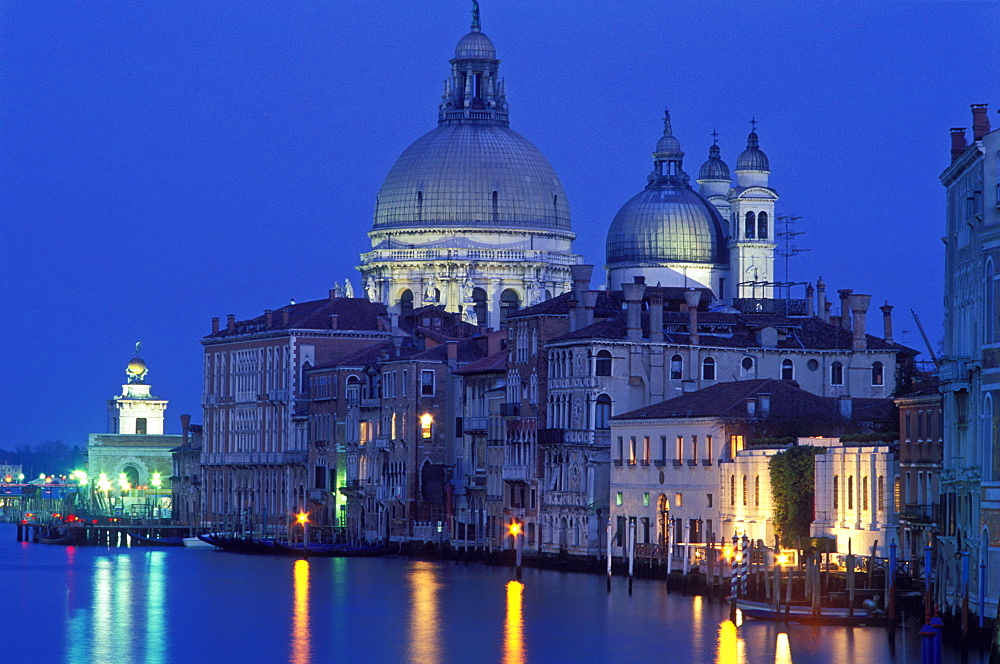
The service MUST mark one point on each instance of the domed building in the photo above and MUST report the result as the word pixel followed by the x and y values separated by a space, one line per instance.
pixel 471 217
pixel 671 235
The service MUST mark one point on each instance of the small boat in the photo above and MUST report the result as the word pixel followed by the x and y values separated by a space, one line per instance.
pixel 157 541
pixel 256 545
pixel 196 543
pixel 336 550
pixel 801 613
pixel 63 536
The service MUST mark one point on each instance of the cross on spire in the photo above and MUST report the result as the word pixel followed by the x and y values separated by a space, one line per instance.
pixel 715 137
pixel 753 123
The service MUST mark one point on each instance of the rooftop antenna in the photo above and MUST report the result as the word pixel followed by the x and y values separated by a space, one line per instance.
pixel 927 341
pixel 788 234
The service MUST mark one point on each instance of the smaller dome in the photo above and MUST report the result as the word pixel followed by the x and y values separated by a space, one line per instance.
pixel 753 158
pixel 714 168
pixel 668 143
pixel 476 46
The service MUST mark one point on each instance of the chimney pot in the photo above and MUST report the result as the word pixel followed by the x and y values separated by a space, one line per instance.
pixel 859 310
pixel 333 293
pixel 185 427
pixel 571 311
pixel 656 316
pixel 980 122
pixel 231 322
pixel 333 321
pixel 845 318
pixel 268 318
pixel 633 294
pixel 286 316
pixel 692 298
pixel 887 321
pixel 822 310
pixel 589 304
pixel 215 325
pixel 958 143
pixel 810 294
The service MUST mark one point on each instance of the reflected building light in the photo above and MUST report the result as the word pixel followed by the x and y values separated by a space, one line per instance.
pixel 782 650
pixel 732 647
pixel 513 632
pixel 101 618
pixel 301 637
pixel 156 612
pixel 123 640
pixel 425 632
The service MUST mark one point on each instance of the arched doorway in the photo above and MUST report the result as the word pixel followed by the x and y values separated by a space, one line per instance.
pixel 406 302
pixel 509 304
pixel 479 306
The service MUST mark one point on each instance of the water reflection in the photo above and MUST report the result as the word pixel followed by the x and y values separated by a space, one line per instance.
pixel 513 631
pixel 732 647
pixel 782 650
pixel 425 631
pixel 301 637
pixel 156 633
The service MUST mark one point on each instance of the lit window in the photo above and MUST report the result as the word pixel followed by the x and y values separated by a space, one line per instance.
pixel 618 498
pixel 678 499
pixel 426 422
pixel 645 499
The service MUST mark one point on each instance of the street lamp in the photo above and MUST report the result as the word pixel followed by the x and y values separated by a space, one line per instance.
pixel 302 518
pixel 156 483
pixel 515 530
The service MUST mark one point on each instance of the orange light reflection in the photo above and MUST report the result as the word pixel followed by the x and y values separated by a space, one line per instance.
pixel 301 636
pixel 782 650
pixel 425 636
pixel 732 647
pixel 513 631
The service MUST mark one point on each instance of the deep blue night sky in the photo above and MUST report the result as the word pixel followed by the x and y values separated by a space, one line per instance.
pixel 164 163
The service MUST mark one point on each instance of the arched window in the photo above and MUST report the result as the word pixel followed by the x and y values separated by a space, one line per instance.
pixel 756 490
pixel 602 412
pixel 708 369
pixel 420 206
pixel 406 302
pixel 787 370
pixel 877 374
pixel 479 305
pixel 732 490
pixel 836 373
pixel 602 367
pixel 744 491
pixel 988 443
pixel 496 208
pixel 762 225
pixel 749 226
pixel 676 367
pixel 509 303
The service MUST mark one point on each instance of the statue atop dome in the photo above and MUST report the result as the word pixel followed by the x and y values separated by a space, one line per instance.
pixel 136 369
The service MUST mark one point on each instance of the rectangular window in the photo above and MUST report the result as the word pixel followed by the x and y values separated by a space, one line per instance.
pixel 618 498
pixel 679 452
pixel 631 450
pixel 678 500
pixel 621 449
pixel 427 383
pixel 836 493
pixel 907 425
pixel 850 492
pixel 864 493
pixel 646 452
pixel 708 447
pixel 663 449
pixel 645 499
pixel 406 374
pixel 694 448
pixel 708 500
pixel 735 445
pixel 320 477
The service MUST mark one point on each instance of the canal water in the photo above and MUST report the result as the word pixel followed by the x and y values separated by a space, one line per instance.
pixel 92 604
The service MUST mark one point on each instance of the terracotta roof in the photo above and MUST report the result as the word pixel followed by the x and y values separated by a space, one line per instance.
pixel 353 314
pixel 489 364
pixel 787 402
pixel 469 350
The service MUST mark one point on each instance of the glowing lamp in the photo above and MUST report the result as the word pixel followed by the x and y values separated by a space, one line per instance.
pixel 514 528
pixel 156 481
pixel 783 559
pixel 302 518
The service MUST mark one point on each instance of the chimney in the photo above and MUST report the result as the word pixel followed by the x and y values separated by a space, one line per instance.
pixel 397 343
pixel 958 144
pixel 980 123
pixel 333 293
pixel 844 406
pixel 572 313
pixel 452 352
pixel 827 306
pixel 810 294
pixel 268 318
pixel 185 427
pixel 394 322
pixel 633 303
pixel 333 321
pixel 751 407
pixel 859 310
pixel 589 304
pixel 692 297
pixel 215 325
pixel 845 319
pixel 821 309
pixel 581 282
pixel 887 321
pixel 765 404
pixel 656 316
pixel 286 316
pixel 231 322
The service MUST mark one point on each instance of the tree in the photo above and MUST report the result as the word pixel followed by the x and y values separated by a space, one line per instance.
pixel 793 475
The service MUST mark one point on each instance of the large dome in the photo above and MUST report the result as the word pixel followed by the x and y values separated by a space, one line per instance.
pixel 472 175
pixel 475 46
pixel 664 225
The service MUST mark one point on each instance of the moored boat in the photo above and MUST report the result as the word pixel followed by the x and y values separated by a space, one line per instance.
pixel 336 550
pixel 804 614
pixel 157 541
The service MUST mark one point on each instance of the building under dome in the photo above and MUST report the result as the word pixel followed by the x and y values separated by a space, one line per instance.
pixel 471 217
pixel 717 237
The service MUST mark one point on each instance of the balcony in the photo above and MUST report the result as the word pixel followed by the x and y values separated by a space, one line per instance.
pixel 475 424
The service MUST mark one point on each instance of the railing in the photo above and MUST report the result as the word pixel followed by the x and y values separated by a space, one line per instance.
pixel 475 423
pixel 510 409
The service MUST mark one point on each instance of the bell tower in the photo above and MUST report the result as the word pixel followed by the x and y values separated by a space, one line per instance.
pixel 751 237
